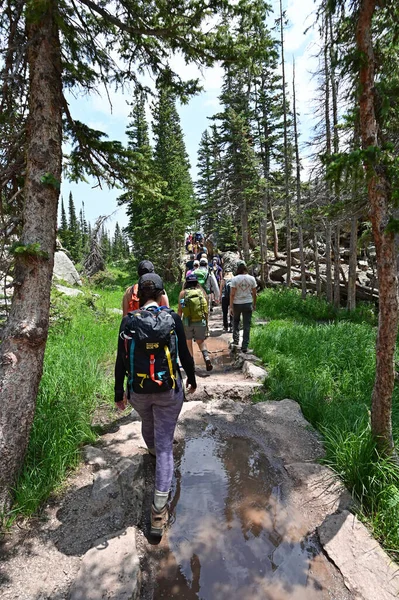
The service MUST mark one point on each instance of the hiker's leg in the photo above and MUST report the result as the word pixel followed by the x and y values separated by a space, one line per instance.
pixel 188 330
pixel 144 408
pixel 190 346
pixel 166 409
pixel 246 324
pixel 236 322
pixel 225 310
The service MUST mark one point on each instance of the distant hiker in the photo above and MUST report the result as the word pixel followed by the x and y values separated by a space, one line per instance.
pixel 195 266
pixel 190 263
pixel 207 279
pixel 150 339
pixel 201 250
pixel 242 302
pixel 130 299
pixel 189 242
pixel 193 308
pixel 225 288
pixel 217 269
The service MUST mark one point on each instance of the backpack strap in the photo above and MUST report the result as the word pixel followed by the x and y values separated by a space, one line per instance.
pixel 169 359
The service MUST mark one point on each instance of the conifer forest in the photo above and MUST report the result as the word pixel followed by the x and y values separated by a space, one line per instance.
pixel 319 217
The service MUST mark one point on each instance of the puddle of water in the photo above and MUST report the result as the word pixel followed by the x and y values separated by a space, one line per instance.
pixel 231 536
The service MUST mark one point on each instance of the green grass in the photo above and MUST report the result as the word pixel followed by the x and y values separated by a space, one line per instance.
pixel 325 360
pixel 77 377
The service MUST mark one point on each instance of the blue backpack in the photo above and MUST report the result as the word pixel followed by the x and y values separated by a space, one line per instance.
pixel 151 350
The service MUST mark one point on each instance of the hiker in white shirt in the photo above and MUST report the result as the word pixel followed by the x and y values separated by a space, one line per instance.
pixel 242 302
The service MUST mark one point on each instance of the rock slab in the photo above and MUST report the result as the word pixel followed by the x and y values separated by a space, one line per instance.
pixel 110 570
pixel 367 570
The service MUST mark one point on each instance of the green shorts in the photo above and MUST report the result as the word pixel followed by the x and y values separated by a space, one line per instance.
pixel 196 331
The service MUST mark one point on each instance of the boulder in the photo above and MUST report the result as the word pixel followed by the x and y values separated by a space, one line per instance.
pixel 230 260
pixel 65 269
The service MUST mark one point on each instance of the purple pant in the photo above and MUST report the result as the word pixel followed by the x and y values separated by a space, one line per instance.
pixel 159 414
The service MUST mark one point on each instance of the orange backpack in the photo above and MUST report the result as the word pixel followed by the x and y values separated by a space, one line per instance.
pixel 134 298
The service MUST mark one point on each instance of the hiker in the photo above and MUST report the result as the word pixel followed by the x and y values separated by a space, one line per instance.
pixel 207 279
pixel 201 251
pixel 190 263
pixel 225 288
pixel 147 353
pixel 189 243
pixel 217 269
pixel 130 299
pixel 242 302
pixel 193 307
pixel 195 266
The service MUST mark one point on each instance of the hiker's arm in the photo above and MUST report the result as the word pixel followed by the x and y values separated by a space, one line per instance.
pixel 120 369
pixel 232 294
pixel 222 282
pixel 125 301
pixel 179 309
pixel 185 357
pixel 165 299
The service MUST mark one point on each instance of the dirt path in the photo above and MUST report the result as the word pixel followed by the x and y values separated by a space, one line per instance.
pixel 249 507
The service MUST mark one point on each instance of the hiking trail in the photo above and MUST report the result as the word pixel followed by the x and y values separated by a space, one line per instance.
pixel 254 516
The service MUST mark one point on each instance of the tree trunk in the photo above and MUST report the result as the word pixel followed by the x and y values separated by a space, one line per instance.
pixel 317 266
pixel 244 230
pixel 337 298
pixel 352 266
pixel 379 196
pixel 298 190
pixel 275 234
pixel 329 289
pixel 25 334
pixel 286 166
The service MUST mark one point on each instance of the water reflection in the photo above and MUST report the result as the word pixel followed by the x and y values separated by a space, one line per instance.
pixel 232 538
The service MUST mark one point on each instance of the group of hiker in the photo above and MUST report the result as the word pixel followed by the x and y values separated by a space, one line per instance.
pixel 153 339
pixel 195 243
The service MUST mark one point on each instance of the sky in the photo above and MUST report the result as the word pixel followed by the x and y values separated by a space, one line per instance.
pixel 96 111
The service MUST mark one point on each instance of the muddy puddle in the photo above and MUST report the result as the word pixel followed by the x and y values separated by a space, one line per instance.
pixel 231 536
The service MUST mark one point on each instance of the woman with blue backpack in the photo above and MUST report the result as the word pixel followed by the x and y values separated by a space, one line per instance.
pixel 150 340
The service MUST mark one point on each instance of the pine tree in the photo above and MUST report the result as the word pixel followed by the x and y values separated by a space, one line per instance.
pixel 74 236
pixel 63 229
pixel 173 167
pixel 143 196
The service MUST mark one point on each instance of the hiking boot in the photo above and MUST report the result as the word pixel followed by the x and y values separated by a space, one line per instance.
pixel 209 365
pixel 159 521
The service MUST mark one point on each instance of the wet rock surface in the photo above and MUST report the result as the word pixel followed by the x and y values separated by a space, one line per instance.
pixel 247 503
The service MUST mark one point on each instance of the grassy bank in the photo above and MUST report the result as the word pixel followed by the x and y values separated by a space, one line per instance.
pixel 325 360
pixel 77 380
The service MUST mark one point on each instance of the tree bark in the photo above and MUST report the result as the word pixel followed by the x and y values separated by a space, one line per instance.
pixel 275 234
pixel 337 298
pixel 329 289
pixel 298 190
pixel 286 165
pixel 244 230
pixel 25 335
pixel 352 266
pixel 379 198
pixel 317 266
